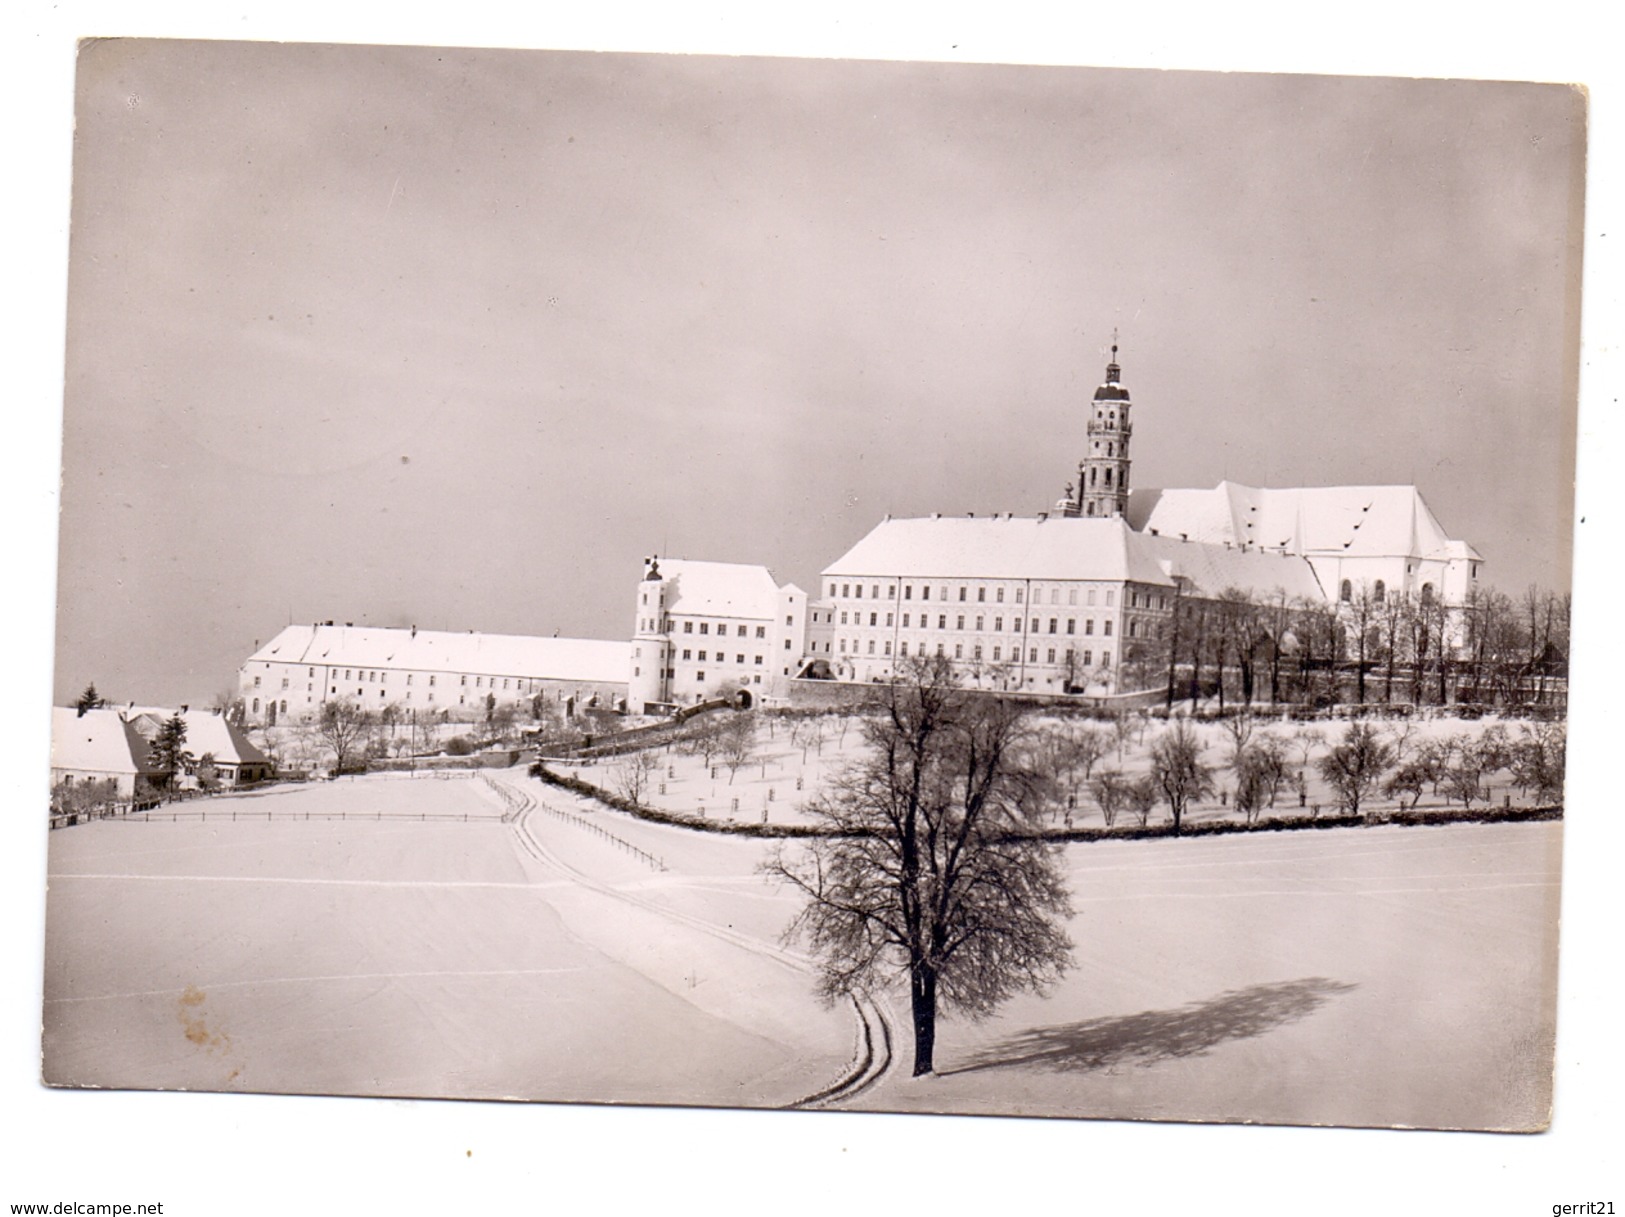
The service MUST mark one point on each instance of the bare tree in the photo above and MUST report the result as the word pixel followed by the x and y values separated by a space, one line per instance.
pixel 1123 726
pixel 503 721
pixel 702 737
pixel 736 740
pixel 1142 795
pixel 632 774
pixel 1393 613
pixel 1269 754
pixel 1538 761
pixel 1252 783
pixel 1355 765
pixel 1433 758
pixel 1239 619
pixel 813 733
pixel 1111 791
pixel 1177 769
pixel 1364 610
pixel 87 796
pixel 1464 778
pixel 1239 727
pixel 1304 742
pixel 1318 629
pixel 1400 735
pixel 1085 745
pixel 932 868
pixel 1072 752
pixel 344 727
pixel 1275 625
pixel 1408 779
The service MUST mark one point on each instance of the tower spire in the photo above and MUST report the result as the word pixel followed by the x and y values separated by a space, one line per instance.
pixel 1103 474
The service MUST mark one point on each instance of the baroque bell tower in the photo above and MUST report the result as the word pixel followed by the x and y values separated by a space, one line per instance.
pixel 1103 472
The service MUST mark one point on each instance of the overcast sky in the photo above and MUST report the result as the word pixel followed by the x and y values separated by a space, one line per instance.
pixel 454 338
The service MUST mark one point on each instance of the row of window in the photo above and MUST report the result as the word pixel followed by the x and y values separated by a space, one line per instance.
pixel 671 674
pixel 722 628
pixel 1068 656
pixel 854 591
pixel 998 623
pixel 1379 591
pixel 721 658
pixel 520 684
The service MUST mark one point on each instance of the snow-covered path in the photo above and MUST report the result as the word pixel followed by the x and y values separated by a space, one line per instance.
pixel 1353 976
pixel 416 958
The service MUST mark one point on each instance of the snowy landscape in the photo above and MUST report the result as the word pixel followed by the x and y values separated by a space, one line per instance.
pixel 618 579
pixel 485 934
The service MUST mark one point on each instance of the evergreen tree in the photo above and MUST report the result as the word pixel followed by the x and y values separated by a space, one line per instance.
pixel 168 755
pixel 89 700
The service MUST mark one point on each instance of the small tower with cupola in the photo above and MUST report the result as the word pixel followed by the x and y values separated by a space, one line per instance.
pixel 1103 472
pixel 651 642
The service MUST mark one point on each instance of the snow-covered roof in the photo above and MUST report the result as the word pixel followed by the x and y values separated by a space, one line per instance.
pixel 99 741
pixel 206 731
pixel 211 733
pixel 1104 549
pixel 719 589
pixel 1352 521
pixel 570 659
pixel 1212 569
pixel 1001 547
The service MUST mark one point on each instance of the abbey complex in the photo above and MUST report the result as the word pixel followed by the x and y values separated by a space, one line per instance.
pixel 1117 595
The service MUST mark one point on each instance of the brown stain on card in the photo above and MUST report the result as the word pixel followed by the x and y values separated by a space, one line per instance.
pixel 193 1023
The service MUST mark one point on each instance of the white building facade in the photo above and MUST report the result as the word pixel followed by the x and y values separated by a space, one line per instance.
pixel 1037 604
pixel 1384 539
pixel 709 629
pixel 426 670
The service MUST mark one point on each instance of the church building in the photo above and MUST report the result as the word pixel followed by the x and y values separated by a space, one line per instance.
pixel 1074 601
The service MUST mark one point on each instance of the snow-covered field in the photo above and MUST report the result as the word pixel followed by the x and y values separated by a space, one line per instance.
pixel 1368 976
pixel 784 773
pixel 1382 976
pixel 397 957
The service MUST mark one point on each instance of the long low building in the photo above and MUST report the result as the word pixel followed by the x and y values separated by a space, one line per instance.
pixel 375 667
pixel 1051 605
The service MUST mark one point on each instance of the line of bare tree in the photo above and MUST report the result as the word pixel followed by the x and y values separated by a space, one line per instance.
pixel 1375 646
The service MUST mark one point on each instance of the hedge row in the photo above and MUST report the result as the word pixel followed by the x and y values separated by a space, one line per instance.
pixel 702 823
pixel 1201 828
pixel 1215 828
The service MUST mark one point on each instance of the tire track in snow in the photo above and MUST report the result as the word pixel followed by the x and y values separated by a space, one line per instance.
pixel 873 1057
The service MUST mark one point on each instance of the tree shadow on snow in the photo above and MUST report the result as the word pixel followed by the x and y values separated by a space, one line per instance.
pixel 1159 1035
